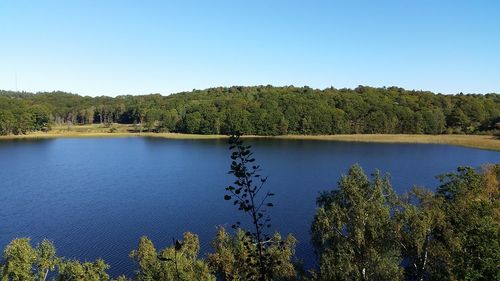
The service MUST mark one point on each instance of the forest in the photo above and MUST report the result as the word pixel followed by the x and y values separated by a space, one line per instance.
pixel 362 230
pixel 260 110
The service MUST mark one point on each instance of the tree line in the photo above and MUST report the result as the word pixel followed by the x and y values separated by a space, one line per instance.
pixel 362 230
pixel 261 110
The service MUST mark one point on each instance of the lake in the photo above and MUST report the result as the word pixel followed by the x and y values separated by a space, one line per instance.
pixel 96 197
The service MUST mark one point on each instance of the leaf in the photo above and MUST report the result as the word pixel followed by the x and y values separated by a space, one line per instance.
pixel 227 197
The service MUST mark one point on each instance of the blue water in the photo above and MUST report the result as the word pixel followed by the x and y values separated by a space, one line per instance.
pixel 96 197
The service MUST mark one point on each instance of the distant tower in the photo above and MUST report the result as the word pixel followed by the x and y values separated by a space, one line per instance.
pixel 15 78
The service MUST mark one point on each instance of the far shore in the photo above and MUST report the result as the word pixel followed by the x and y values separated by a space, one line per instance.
pixel 475 141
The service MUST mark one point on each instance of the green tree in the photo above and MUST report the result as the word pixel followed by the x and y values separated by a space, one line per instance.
pixel 152 119
pixel 417 219
pixel 23 123
pixel 178 262
pixel 340 125
pixel 170 120
pixel 192 122
pixel 210 122
pixel 73 270
pixel 145 255
pixel 458 120
pixel 353 231
pixel 46 259
pixel 19 257
pixel 40 118
pixel 376 123
pixel 7 122
pixel 23 262
pixel 236 119
pixel 469 241
pixel 433 121
pixel 248 195
pixel 265 110
pixel 232 257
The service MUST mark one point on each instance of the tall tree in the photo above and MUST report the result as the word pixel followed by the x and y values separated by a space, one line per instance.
pixel 353 231
pixel 417 220
pixel 469 241
pixel 18 257
pixel 248 195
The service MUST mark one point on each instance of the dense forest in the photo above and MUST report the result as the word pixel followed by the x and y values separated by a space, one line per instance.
pixel 362 230
pixel 261 110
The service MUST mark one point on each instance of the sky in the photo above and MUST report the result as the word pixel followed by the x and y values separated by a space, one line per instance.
pixel 116 47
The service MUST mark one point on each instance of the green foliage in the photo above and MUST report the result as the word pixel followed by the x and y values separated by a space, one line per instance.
pixel 468 242
pixel 434 122
pixel 178 262
pixel 46 259
pixel 353 231
pixel 73 270
pixel 22 262
pixel 261 110
pixel 233 259
pixel 192 122
pixel 169 120
pixel 417 220
pixel 40 118
pixel 153 119
pixel 7 122
pixel 18 257
pixel 451 235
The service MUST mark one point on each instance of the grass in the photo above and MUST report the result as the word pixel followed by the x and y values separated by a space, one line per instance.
pixel 124 130
pixel 476 141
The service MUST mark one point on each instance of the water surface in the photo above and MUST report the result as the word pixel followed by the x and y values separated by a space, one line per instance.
pixel 96 197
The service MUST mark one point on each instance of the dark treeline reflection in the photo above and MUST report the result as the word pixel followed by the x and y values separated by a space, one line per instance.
pixel 361 230
pixel 260 110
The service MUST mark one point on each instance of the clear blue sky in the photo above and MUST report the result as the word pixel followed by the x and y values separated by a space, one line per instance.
pixel 138 47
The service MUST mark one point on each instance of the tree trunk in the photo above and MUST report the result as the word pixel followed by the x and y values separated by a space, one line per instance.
pixel 424 259
pixel 46 273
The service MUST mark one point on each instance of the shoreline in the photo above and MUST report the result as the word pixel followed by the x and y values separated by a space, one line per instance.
pixel 474 141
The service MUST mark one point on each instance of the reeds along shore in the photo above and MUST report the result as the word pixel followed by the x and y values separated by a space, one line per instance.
pixel 97 131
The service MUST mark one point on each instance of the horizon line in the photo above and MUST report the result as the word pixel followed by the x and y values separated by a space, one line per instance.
pixel 245 86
